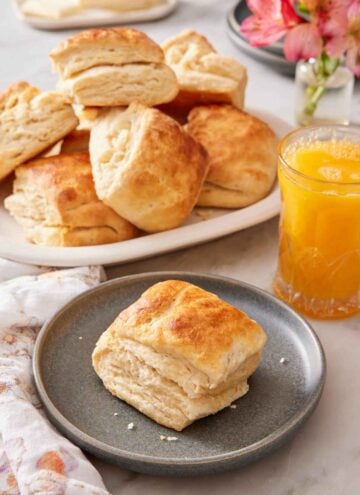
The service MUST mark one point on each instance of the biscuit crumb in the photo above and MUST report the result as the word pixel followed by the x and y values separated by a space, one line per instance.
pixel 168 439
pixel 203 214
pixel 130 426
pixel 80 338
pixel 283 360
pixel 233 406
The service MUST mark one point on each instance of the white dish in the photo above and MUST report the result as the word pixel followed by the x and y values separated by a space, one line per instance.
pixel 217 223
pixel 96 17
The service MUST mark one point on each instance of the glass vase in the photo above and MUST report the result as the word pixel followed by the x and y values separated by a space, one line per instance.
pixel 320 100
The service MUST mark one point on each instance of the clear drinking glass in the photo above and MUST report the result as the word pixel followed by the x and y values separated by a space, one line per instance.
pixel 319 252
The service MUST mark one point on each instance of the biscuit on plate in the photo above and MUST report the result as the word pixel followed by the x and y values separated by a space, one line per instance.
pixel 204 76
pixel 30 123
pixel 104 46
pixel 146 167
pixel 77 140
pixel 86 116
pixel 54 200
pixel 107 86
pixel 242 155
pixel 179 353
pixel 112 67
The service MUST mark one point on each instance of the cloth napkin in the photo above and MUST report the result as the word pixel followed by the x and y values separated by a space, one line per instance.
pixel 34 458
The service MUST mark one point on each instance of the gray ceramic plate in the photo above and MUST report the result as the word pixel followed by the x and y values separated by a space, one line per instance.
pixel 271 55
pixel 281 396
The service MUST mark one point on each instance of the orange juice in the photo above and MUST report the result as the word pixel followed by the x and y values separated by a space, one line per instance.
pixel 319 252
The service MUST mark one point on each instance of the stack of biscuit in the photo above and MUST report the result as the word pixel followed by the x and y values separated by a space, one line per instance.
pixel 113 67
pixel 144 171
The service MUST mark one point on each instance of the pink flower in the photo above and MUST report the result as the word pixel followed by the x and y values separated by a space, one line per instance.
pixel 274 19
pixel 341 31
pixel 353 36
pixel 271 20
pixel 332 21
pixel 303 42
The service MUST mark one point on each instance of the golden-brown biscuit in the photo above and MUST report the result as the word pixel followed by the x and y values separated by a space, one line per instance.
pixel 111 85
pixel 242 155
pixel 204 76
pixel 54 199
pixel 113 67
pixel 77 140
pixel 86 116
pixel 179 353
pixel 146 167
pixel 104 46
pixel 31 122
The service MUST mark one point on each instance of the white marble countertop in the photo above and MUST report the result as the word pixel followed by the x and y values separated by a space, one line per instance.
pixel 323 459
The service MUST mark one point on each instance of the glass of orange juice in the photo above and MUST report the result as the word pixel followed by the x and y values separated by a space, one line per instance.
pixel 319 253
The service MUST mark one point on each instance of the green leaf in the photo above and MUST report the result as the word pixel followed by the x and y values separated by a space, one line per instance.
pixel 302 10
pixel 331 64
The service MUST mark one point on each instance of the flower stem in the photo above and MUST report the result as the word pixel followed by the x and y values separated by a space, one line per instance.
pixel 325 68
pixel 316 93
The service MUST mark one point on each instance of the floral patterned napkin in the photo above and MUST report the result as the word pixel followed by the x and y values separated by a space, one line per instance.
pixel 34 458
